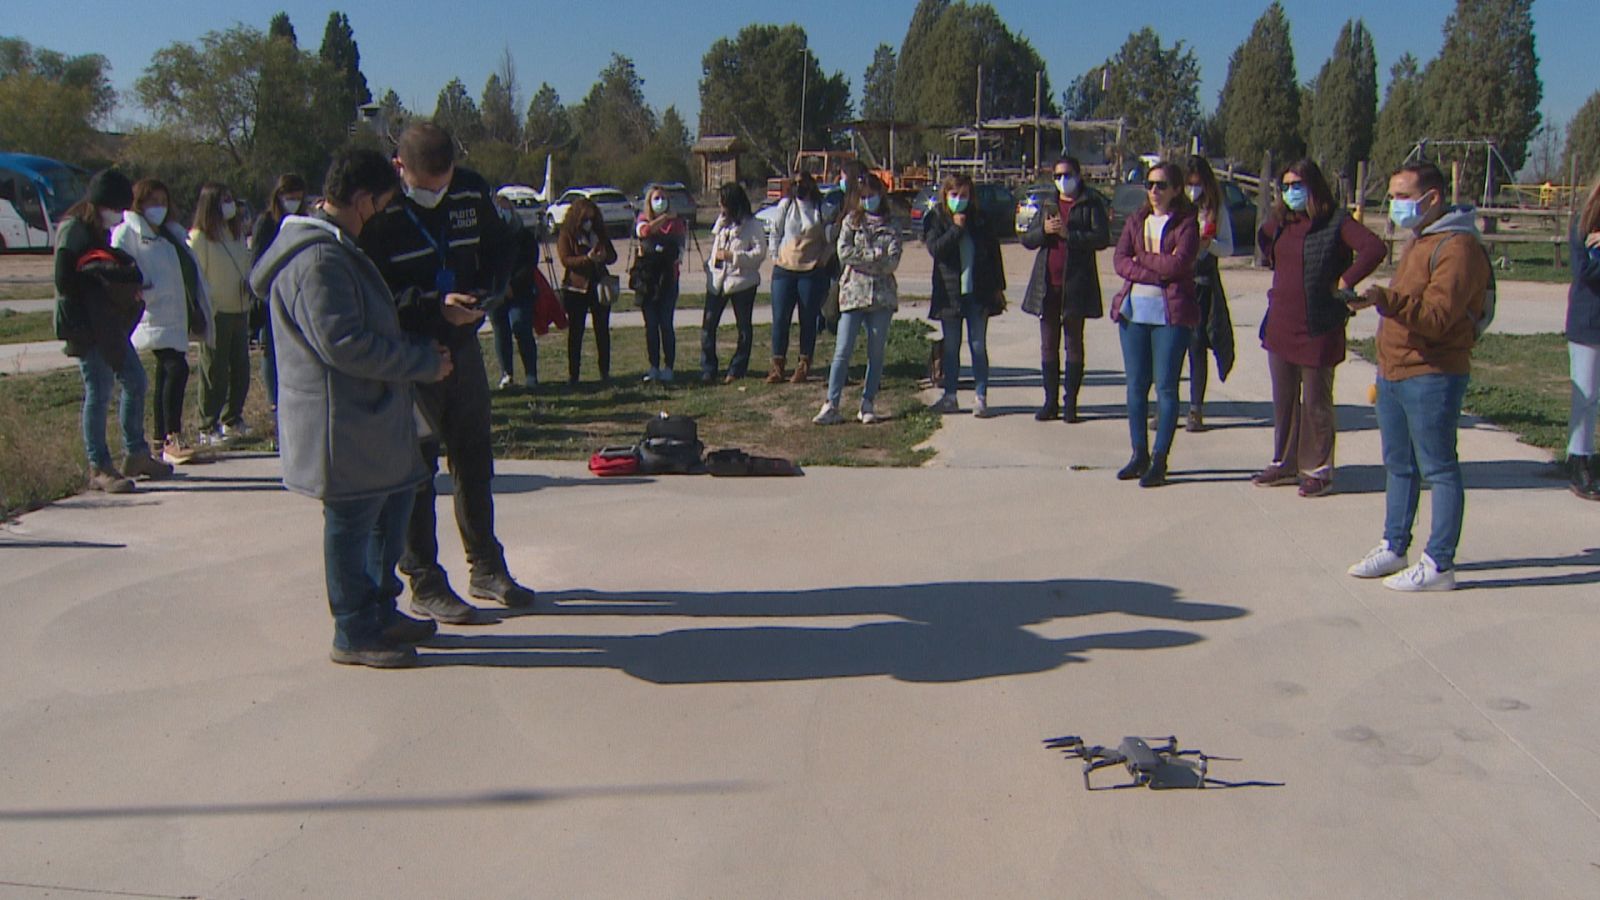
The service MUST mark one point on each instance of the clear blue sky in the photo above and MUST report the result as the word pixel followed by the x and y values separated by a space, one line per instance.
pixel 567 44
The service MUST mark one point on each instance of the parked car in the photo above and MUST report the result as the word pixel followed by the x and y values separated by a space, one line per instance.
pixel 615 208
pixel 995 200
pixel 679 200
pixel 1125 201
pixel 526 204
pixel 1241 213
pixel 1034 197
pixel 832 198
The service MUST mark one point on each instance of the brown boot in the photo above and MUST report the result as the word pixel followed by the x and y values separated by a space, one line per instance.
pixel 109 480
pixel 143 465
pixel 802 371
pixel 777 374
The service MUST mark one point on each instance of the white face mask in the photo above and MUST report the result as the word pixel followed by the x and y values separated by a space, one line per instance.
pixel 291 205
pixel 110 218
pixel 1066 185
pixel 155 215
pixel 425 198
pixel 658 204
pixel 1194 191
pixel 229 210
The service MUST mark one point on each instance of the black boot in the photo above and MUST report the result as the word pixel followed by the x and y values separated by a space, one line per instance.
pixel 1156 475
pixel 1581 472
pixel 1069 405
pixel 1135 467
pixel 1052 384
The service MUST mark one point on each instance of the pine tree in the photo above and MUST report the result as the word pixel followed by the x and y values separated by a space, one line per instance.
pixel 1260 103
pixel 1343 110
pixel 877 85
pixel 339 50
pixel 916 56
pixel 500 120
pixel 1582 155
pixel 1401 122
pixel 548 126
pixel 1082 99
pixel 281 27
pixel 1156 89
pixel 1485 81
pixel 456 113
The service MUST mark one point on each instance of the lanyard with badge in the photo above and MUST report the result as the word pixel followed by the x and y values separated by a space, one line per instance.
pixel 444 280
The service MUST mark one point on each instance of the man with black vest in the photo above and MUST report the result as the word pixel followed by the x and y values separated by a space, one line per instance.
pixel 446 255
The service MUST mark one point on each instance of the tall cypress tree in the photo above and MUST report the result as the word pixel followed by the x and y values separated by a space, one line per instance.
pixel 339 50
pixel 916 57
pixel 1260 103
pixel 877 85
pixel 1401 121
pixel 281 27
pixel 1344 110
pixel 1485 81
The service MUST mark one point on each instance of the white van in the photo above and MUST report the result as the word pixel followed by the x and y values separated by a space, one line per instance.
pixel 35 194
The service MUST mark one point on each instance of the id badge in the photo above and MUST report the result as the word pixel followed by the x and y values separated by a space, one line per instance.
pixel 444 281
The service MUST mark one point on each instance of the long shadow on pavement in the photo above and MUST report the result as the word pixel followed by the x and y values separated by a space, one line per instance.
pixel 945 632
pixel 1589 557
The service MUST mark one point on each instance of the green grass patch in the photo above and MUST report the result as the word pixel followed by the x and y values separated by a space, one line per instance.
pixel 26 327
pixel 1520 382
pixel 562 421
pixel 26 290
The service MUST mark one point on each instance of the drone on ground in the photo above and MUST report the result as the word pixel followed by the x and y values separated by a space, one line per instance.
pixel 1156 763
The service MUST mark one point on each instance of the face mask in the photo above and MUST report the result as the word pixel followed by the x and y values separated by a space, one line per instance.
pixel 957 205
pixel 1405 213
pixel 1067 185
pixel 291 205
pixel 425 198
pixel 229 210
pixel 1194 191
pixel 110 218
pixel 1295 197
pixel 844 183
pixel 507 216
pixel 871 203
pixel 658 205
pixel 588 225
pixel 155 215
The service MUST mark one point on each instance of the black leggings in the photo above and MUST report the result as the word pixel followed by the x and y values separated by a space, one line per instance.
pixel 579 306
pixel 172 379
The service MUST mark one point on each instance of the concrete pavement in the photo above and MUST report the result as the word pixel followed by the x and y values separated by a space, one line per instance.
pixel 835 685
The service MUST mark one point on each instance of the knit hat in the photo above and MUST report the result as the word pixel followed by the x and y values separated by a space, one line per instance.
pixel 110 189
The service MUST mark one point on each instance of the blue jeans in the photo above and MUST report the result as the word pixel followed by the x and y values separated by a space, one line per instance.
pixel 976 317
pixel 97 378
pixel 362 541
pixel 660 340
pixel 805 290
pixel 1152 353
pixel 743 303
pixel 514 320
pixel 876 322
pixel 1417 421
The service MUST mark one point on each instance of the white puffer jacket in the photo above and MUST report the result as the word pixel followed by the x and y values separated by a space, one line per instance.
pixel 746 246
pixel 165 325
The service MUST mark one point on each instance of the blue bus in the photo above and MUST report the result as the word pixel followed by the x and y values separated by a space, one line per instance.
pixel 35 194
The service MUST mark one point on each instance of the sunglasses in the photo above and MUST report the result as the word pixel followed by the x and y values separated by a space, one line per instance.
pixel 1156 185
pixel 1285 185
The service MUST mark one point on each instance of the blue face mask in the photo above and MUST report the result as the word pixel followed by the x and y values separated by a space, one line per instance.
pixel 1405 213
pixel 844 183
pixel 871 203
pixel 957 205
pixel 1295 197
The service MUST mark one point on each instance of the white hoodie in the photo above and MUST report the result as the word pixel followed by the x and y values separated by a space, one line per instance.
pixel 165 325
pixel 746 246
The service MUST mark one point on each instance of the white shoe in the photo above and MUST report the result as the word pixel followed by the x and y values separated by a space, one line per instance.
pixel 505 382
pixel 1424 576
pixel 867 416
pixel 653 375
pixel 209 439
pixel 828 416
pixel 237 432
pixel 946 404
pixel 1378 562
pixel 980 409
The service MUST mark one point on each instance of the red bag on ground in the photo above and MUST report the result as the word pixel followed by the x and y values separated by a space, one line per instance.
pixel 609 461
pixel 547 309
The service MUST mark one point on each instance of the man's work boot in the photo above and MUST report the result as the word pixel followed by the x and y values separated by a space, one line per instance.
pixel 406 630
pixel 499 587
pixel 431 596
pixel 143 465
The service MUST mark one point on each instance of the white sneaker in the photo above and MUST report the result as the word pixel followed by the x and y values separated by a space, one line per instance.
pixel 505 382
pixel 867 416
pixel 980 409
pixel 1424 576
pixel 1378 562
pixel 945 404
pixel 237 432
pixel 209 439
pixel 652 375
pixel 828 416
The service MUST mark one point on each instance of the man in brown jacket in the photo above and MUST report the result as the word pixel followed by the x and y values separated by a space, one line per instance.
pixel 1430 313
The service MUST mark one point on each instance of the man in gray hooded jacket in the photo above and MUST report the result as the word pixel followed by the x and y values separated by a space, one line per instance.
pixel 346 408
